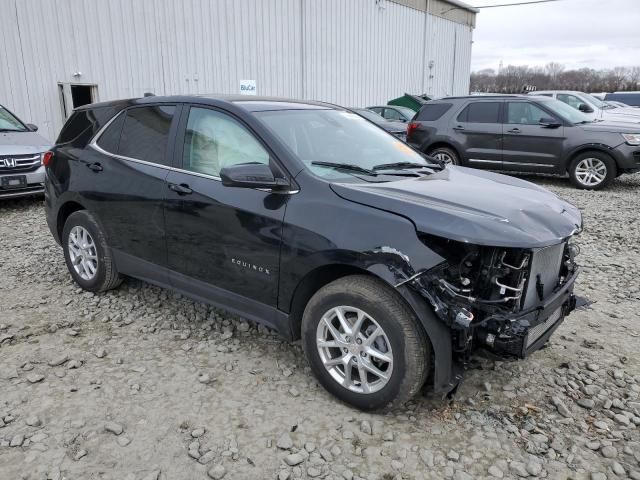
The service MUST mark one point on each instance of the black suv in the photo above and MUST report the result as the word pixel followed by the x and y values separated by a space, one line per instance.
pixel 309 219
pixel 526 134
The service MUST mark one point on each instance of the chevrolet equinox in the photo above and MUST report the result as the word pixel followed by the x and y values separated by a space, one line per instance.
pixel 391 267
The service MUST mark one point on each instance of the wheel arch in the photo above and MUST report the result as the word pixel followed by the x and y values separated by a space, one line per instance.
pixel 593 147
pixel 444 144
pixel 65 210
pixel 442 375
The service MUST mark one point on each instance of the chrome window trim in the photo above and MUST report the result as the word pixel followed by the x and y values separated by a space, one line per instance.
pixel 94 145
pixel 502 162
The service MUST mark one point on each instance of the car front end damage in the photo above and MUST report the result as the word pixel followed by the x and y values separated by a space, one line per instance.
pixel 505 300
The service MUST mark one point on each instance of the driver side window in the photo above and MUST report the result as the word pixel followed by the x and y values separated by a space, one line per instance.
pixel 570 100
pixel 214 140
pixel 524 113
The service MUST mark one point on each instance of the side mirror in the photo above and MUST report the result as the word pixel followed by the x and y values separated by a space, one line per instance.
pixel 548 122
pixel 32 127
pixel 583 107
pixel 251 175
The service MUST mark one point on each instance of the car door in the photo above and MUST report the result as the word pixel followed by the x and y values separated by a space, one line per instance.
pixel 223 243
pixel 477 132
pixel 533 138
pixel 127 166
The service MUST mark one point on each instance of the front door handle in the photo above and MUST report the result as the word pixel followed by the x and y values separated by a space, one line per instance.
pixel 182 189
pixel 514 130
pixel 96 167
pixel 459 127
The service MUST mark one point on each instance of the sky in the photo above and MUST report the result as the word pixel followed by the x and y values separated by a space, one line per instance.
pixel 577 33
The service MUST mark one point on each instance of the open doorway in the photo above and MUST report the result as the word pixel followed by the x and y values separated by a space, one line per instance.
pixel 74 95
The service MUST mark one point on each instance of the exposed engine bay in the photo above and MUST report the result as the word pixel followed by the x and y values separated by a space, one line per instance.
pixel 506 300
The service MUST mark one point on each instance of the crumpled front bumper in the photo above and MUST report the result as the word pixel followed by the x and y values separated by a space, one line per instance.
pixel 529 330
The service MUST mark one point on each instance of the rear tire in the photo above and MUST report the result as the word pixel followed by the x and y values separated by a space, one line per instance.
pixel 87 254
pixel 446 155
pixel 384 344
pixel 592 170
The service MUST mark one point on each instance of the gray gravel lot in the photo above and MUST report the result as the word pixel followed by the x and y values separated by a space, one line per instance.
pixel 142 383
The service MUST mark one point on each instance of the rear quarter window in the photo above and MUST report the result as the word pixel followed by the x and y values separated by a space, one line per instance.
pixel 82 125
pixel 433 111
pixel 480 112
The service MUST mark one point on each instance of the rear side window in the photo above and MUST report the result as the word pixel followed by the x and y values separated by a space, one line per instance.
pixel 145 133
pixel 433 111
pixel 82 125
pixel 481 112
pixel 110 138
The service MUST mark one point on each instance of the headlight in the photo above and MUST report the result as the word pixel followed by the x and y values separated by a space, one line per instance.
pixel 632 138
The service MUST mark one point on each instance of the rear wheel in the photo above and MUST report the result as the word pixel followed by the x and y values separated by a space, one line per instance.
pixel 445 155
pixel 364 344
pixel 592 170
pixel 87 254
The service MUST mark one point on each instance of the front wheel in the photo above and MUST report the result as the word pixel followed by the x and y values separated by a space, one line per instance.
pixel 364 344
pixel 592 170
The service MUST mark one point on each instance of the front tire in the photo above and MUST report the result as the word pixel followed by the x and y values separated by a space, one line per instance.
pixel 592 170
pixel 364 344
pixel 87 255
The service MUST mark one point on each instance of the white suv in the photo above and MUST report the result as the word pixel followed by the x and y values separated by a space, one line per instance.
pixel 21 151
pixel 592 107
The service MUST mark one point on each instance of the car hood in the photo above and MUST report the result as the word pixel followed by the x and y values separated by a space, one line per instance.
pixel 612 126
pixel 621 115
pixel 473 206
pixel 22 143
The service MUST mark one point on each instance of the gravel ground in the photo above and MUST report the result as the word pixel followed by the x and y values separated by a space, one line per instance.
pixel 142 383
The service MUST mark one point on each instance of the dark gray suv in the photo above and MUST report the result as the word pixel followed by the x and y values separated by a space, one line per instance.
pixel 526 134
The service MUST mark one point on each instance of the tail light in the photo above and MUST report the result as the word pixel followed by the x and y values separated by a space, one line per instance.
pixel 411 127
pixel 47 158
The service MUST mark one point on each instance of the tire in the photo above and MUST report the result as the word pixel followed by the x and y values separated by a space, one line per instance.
pixel 96 270
pixel 403 341
pixel 446 155
pixel 592 170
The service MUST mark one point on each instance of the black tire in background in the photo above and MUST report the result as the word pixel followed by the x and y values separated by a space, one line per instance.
pixel 603 166
pixel 447 155
pixel 106 276
pixel 410 347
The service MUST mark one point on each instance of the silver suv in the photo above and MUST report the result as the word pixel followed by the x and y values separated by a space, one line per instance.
pixel 21 153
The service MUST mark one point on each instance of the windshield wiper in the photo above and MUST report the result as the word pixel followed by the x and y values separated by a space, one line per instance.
pixel 403 165
pixel 346 166
pixel 11 130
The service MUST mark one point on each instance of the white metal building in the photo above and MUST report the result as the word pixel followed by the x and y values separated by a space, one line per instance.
pixel 57 54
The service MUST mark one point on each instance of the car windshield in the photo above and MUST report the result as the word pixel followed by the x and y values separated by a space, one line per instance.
pixel 338 137
pixel 369 115
pixel 9 122
pixel 565 111
pixel 595 101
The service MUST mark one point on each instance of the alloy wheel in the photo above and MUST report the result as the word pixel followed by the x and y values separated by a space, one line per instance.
pixel 444 158
pixel 591 172
pixel 354 349
pixel 83 253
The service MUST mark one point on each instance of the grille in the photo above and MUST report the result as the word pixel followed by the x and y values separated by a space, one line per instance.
pixel 536 332
pixel 19 163
pixel 546 263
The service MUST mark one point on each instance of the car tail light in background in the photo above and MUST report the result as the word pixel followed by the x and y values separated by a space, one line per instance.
pixel 47 158
pixel 411 127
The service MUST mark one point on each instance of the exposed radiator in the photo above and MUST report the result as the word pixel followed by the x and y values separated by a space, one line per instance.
pixel 546 262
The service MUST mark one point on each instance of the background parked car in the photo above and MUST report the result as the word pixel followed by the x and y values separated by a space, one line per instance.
pixel 613 103
pixel 398 129
pixel 630 98
pixel 592 107
pixel 527 134
pixel 394 112
pixel 21 150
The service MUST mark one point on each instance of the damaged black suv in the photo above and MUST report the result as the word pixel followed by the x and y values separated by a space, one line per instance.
pixel 391 267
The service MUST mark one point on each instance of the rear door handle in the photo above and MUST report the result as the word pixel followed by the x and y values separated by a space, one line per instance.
pixel 96 167
pixel 514 130
pixel 459 127
pixel 182 189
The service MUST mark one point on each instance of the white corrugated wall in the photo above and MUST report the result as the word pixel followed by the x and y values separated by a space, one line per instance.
pixel 356 52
